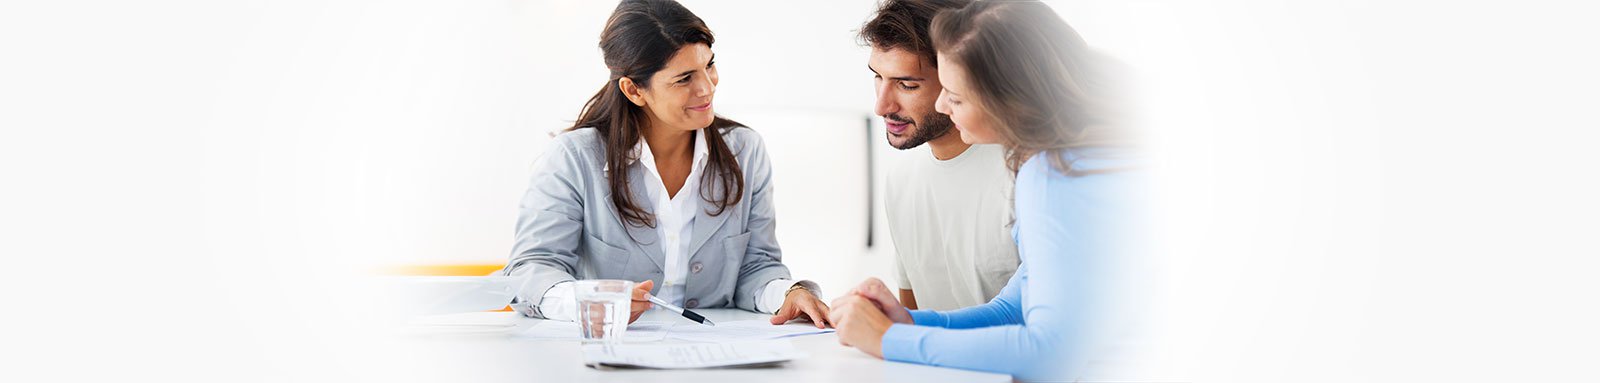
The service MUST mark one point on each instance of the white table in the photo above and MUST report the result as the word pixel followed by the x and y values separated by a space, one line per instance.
pixel 511 358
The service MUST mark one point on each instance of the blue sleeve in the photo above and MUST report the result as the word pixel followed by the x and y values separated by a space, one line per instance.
pixel 1005 308
pixel 1037 328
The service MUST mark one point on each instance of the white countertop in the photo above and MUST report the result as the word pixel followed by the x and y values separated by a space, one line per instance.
pixel 510 358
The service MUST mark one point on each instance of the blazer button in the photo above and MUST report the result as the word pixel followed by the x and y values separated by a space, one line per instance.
pixel 696 267
pixel 692 303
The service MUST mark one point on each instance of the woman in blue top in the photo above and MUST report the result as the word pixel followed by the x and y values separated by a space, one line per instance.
pixel 1015 74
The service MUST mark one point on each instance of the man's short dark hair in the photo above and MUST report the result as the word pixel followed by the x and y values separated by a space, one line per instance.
pixel 903 24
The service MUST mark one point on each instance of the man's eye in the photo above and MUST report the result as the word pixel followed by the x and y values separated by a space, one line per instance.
pixel 685 80
pixel 909 86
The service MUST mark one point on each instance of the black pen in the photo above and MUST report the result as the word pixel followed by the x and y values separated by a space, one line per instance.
pixel 685 312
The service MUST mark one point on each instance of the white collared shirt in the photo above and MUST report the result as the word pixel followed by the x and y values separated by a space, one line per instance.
pixel 675 227
pixel 675 217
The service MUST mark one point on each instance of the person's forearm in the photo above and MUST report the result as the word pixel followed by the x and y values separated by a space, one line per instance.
pixel 1013 349
pixel 542 273
pixel 1004 309
pixel 908 299
pixel 753 280
pixel 994 313
pixel 557 303
pixel 774 293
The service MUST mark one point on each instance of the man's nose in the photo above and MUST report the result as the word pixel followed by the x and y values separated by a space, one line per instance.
pixel 886 102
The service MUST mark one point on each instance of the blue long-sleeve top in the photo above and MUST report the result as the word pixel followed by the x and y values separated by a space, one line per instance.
pixel 1047 318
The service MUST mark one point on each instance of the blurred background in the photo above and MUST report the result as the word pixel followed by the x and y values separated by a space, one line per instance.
pixel 413 125
pixel 1348 191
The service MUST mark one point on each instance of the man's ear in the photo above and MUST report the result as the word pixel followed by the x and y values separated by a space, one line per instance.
pixel 631 90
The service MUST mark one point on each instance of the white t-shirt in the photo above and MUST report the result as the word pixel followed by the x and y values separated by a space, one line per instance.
pixel 949 221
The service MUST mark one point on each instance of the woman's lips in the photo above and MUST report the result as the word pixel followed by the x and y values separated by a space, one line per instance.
pixel 701 108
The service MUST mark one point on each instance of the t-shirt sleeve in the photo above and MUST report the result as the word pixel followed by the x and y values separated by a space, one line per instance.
pixel 900 271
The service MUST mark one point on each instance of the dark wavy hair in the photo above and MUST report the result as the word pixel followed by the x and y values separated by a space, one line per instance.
pixel 903 24
pixel 638 40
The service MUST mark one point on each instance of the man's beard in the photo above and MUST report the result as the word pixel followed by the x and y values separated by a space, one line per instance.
pixel 931 126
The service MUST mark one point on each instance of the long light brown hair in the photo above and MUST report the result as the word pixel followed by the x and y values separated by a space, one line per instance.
pixel 638 40
pixel 1044 88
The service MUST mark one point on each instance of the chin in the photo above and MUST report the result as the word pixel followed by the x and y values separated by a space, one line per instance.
pixel 967 138
pixel 897 143
pixel 707 120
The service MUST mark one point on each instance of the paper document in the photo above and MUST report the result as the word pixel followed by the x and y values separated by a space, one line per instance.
pixel 637 331
pixel 741 330
pixel 690 355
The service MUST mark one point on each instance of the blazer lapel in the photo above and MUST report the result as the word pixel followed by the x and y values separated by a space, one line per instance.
pixel 705 225
pixel 644 237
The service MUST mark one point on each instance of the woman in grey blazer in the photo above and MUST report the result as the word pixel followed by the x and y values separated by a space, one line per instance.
pixel 650 185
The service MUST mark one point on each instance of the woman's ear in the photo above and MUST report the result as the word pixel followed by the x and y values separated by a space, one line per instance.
pixel 631 90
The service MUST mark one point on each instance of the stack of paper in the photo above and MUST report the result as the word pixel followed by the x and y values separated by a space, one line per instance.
pixel 742 330
pixel 731 331
pixel 690 355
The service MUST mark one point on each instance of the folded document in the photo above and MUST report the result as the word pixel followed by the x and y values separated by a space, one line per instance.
pixel 730 331
pixel 690 355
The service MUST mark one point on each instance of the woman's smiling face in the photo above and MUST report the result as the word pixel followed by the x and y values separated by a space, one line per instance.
pixel 679 95
pixel 956 99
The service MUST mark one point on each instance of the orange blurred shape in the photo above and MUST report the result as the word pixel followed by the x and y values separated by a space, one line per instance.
pixel 458 270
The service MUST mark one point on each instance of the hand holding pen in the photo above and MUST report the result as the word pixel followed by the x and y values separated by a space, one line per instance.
pixel 648 299
pixel 639 304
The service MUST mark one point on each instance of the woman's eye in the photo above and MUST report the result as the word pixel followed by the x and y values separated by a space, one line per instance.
pixel 685 80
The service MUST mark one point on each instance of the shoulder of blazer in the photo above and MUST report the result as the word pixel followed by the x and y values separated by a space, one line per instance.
pixel 585 144
pixel 742 140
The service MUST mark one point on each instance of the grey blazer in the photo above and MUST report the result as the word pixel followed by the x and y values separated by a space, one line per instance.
pixel 568 228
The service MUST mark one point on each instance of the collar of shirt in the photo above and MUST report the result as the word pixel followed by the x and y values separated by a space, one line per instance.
pixel 641 152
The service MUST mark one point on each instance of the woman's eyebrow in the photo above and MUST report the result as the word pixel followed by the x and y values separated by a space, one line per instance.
pixel 691 71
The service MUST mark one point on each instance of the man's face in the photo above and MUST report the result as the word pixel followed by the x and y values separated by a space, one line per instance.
pixel 906 86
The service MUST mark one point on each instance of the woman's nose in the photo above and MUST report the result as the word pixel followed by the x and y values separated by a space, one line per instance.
pixel 704 87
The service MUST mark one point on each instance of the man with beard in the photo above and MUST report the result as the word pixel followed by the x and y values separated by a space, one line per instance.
pixel 949 205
